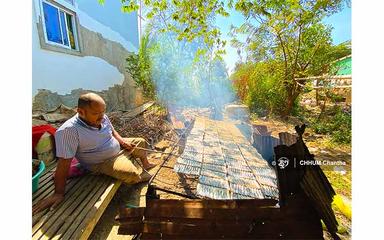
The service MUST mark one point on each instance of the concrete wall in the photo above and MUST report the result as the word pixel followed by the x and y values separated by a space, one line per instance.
pixel 110 15
pixel 99 66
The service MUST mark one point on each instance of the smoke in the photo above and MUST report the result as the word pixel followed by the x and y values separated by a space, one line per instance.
pixel 185 78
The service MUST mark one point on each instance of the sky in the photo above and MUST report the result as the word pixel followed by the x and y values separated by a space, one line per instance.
pixel 341 23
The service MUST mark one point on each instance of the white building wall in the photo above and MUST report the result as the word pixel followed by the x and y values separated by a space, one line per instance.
pixel 61 72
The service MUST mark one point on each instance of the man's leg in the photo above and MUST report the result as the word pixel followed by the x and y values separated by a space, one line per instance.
pixel 139 153
pixel 122 168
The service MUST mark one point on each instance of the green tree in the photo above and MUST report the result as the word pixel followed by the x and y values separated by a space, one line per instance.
pixel 194 18
pixel 182 78
pixel 290 32
pixel 287 30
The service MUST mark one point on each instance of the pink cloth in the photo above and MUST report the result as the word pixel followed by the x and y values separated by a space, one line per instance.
pixel 75 170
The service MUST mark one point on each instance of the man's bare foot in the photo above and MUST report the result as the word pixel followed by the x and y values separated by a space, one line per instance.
pixel 149 166
pixel 145 177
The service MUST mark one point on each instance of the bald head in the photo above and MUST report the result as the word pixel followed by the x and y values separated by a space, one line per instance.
pixel 91 109
pixel 86 100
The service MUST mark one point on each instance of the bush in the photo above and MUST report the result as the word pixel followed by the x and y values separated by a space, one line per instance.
pixel 260 86
pixel 338 125
pixel 139 66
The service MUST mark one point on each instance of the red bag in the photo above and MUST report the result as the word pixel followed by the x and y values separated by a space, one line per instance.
pixel 37 132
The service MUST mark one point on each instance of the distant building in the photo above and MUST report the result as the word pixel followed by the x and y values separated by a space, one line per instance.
pixel 344 66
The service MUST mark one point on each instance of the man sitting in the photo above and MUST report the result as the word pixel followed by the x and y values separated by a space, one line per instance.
pixel 90 137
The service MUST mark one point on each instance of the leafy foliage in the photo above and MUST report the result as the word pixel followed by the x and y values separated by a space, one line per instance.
pixel 260 86
pixel 338 124
pixel 194 18
pixel 139 66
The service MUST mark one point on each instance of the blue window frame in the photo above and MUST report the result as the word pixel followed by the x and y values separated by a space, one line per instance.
pixel 59 26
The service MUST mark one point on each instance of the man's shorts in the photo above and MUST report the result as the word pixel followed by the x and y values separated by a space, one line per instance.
pixel 123 166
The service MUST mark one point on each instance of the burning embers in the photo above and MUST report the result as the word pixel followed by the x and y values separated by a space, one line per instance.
pixel 227 165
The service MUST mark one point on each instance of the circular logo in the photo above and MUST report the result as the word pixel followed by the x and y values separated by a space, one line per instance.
pixel 282 162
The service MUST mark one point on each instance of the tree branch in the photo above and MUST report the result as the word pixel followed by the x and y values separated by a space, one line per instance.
pixel 298 50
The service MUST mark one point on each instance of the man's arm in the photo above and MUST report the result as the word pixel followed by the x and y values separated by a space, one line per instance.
pixel 61 174
pixel 125 144
pixel 117 136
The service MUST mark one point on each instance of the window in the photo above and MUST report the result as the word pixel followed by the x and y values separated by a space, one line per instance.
pixel 59 26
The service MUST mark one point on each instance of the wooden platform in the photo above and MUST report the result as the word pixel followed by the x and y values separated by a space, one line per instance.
pixel 222 219
pixel 86 199
pixel 305 197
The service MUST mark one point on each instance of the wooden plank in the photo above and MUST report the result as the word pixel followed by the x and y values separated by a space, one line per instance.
pixel 210 213
pixel 38 216
pixel 137 111
pixel 321 204
pixel 146 236
pixel 45 179
pixel 51 166
pixel 298 210
pixel 169 213
pixel 205 203
pixel 129 212
pixel 238 229
pixel 204 228
pixel 106 182
pixel 47 173
pixel 43 185
pixel 229 214
pixel 43 190
pixel 49 190
pixel 71 219
pixel 287 138
pixel 40 228
pixel 132 228
pixel 325 77
pixel 312 181
pixel 85 228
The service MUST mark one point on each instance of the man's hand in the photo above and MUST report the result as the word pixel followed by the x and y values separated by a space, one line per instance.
pixel 61 173
pixel 51 201
pixel 127 145
pixel 123 142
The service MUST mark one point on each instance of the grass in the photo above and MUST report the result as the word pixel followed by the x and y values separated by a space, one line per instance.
pixel 341 183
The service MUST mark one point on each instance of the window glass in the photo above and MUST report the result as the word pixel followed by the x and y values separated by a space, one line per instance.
pixel 52 24
pixel 71 31
pixel 64 28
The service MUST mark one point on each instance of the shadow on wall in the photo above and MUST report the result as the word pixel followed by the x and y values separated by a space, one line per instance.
pixel 118 98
